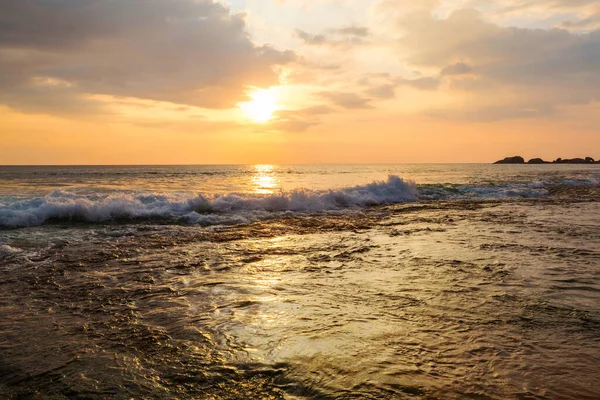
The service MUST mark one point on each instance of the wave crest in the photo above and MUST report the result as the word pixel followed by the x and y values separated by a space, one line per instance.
pixel 200 209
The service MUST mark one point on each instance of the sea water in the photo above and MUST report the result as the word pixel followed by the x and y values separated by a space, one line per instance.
pixel 312 281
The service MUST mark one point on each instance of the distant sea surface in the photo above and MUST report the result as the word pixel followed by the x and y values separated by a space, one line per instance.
pixel 230 194
pixel 428 281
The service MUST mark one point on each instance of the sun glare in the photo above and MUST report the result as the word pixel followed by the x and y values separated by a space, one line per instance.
pixel 262 105
pixel 265 179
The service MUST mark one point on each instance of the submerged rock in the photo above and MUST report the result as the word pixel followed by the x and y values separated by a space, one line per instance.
pixel 512 160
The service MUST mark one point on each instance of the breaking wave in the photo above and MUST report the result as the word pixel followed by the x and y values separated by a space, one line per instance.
pixel 235 208
pixel 199 209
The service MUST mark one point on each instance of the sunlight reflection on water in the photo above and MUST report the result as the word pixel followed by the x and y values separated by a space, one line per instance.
pixel 444 300
pixel 265 180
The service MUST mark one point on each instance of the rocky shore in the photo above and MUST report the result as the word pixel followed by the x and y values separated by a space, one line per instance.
pixel 521 160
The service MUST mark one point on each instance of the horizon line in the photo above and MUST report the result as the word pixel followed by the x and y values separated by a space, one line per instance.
pixel 229 164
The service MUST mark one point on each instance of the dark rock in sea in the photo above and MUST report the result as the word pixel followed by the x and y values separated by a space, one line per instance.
pixel 520 160
pixel 512 160
pixel 537 161
pixel 587 160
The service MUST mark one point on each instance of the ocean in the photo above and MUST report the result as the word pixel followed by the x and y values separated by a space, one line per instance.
pixel 428 281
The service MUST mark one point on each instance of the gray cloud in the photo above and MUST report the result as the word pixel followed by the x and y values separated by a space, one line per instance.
pixel 361 31
pixel 384 86
pixel 300 120
pixel 459 68
pixel 347 100
pixel 576 15
pixel 310 38
pixel 494 113
pixel 341 37
pixel 183 51
pixel 524 5
pixel 425 83
pixel 385 91
pixel 535 70
pixel 591 22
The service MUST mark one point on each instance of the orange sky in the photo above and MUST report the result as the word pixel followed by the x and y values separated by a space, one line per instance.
pixel 297 81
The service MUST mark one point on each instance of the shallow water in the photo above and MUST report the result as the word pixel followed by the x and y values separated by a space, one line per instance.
pixel 29 181
pixel 464 298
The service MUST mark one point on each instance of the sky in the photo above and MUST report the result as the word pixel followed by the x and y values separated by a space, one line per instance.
pixel 297 81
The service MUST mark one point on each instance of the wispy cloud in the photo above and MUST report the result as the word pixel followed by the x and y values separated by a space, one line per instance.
pixel 347 100
pixel 338 37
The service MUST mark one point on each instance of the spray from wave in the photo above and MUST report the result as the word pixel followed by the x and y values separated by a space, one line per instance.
pixel 199 209
pixel 236 208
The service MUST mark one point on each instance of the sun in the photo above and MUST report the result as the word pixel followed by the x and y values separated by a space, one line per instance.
pixel 262 105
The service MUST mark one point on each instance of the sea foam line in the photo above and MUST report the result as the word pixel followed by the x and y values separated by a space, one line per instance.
pixel 199 209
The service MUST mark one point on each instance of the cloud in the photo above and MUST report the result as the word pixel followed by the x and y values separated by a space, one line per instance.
pixel 293 125
pixel 575 15
pixel 341 37
pixel 384 86
pixel 398 7
pixel 528 5
pixel 193 52
pixel 300 120
pixel 386 91
pixel 315 110
pixel 503 71
pixel 347 100
pixel 310 38
pixel 361 31
pixel 459 68
pixel 591 22
pixel 425 83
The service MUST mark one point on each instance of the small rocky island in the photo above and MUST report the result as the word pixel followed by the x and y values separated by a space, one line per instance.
pixel 521 160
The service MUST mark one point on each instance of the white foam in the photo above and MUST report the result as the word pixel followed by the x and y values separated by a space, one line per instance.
pixel 200 209
pixel 8 250
pixel 235 208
